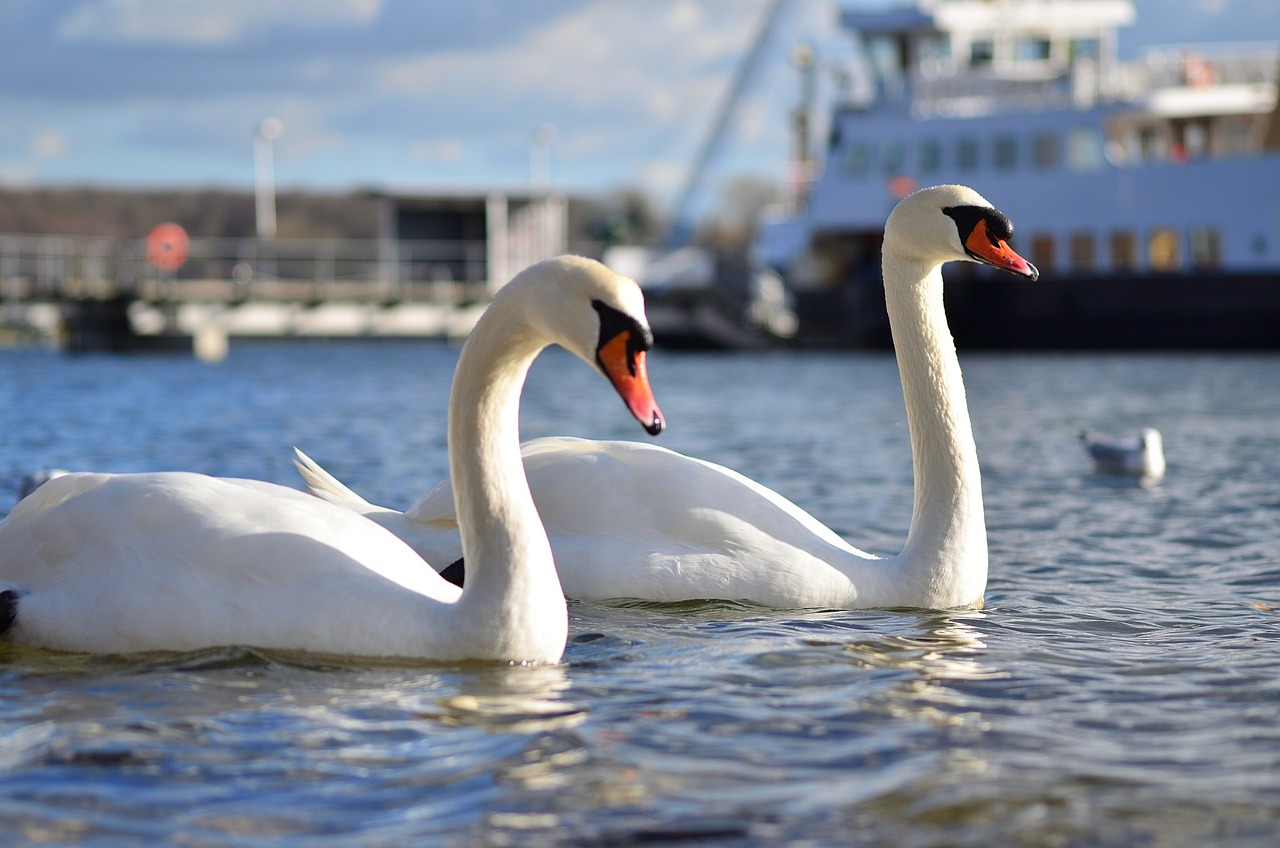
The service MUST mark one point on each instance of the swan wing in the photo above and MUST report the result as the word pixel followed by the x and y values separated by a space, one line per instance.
pixel 439 544
pixel 634 520
pixel 172 561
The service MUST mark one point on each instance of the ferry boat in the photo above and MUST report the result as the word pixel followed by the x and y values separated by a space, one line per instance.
pixel 1147 192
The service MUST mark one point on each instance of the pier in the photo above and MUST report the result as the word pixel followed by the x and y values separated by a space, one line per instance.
pixel 90 293
pixel 429 276
pixel 434 263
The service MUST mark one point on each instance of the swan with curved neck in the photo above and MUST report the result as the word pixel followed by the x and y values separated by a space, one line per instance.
pixel 704 531
pixel 179 561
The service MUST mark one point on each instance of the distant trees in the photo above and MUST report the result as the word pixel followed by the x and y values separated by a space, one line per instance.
pixel 122 213
pixel 624 216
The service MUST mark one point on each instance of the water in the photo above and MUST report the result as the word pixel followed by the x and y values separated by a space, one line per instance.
pixel 1120 687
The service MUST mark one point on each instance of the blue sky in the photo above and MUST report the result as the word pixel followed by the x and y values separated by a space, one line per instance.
pixel 421 94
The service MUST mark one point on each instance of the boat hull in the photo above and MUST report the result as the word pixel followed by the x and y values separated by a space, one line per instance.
pixel 1205 311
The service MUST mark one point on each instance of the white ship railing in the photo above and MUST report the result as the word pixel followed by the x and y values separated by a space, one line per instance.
pixel 1202 65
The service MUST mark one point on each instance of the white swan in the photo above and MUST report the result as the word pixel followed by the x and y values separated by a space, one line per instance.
pixel 36 479
pixel 637 521
pixel 178 561
pixel 1142 457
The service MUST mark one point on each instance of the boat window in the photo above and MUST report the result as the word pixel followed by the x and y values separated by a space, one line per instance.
pixel 1048 151
pixel 930 156
pixel 1082 252
pixel 1153 144
pixel 982 51
pixel 884 56
pixel 1163 250
pixel 1195 139
pixel 1206 247
pixel 933 50
pixel 1006 152
pixel 1235 135
pixel 893 158
pixel 1084 48
pixel 857 160
pixel 1085 149
pixel 1042 250
pixel 1031 49
pixel 1124 251
pixel 967 154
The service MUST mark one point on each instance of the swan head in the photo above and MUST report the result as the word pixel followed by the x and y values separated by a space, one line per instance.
pixel 598 315
pixel 953 222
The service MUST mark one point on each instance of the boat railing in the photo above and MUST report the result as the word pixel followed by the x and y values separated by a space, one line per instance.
pixel 946 90
pixel 1206 65
pixel 946 95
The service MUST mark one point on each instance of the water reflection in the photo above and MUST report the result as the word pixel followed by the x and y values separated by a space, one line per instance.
pixel 929 666
pixel 517 699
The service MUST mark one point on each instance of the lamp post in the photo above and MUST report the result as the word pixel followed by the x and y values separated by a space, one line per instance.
pixel 264 176
pixel 540 141
pixel 803 59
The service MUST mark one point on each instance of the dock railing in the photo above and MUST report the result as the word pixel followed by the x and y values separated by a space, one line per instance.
pixel 53 268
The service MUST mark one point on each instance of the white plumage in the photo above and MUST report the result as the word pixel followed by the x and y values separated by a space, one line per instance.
pixel 1140 457
pixel 636 521
pixel 176 561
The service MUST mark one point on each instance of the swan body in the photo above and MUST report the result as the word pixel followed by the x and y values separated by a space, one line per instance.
pixel 178 561
pixel 36 479
pixel 696 530
pixel 1141 457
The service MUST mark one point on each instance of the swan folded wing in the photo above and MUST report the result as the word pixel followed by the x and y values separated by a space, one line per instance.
pixel 426 540
pixel 644 517
pixel 175 560
pixel 607 487
pixel 633 520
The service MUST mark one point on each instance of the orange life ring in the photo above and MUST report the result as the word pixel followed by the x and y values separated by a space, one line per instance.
pixel 167 247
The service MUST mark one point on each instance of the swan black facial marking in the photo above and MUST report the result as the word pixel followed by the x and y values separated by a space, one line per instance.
pixel 613 323
pixel 967 218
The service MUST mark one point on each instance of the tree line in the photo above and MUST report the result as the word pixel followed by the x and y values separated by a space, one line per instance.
pixel 624 216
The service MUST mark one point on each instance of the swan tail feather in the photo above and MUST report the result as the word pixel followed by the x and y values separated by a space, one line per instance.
pixel 325 486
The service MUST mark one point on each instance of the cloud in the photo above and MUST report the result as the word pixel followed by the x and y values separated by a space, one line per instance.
pixel 434 91
pixel 198 22
pixel 626 81
pixel 438 150
pixel 48 144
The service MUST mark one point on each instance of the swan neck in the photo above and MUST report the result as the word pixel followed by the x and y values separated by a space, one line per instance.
pixel 511 575
pixel 946 544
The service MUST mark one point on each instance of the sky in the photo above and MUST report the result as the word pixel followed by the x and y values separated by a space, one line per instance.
pixel 408 95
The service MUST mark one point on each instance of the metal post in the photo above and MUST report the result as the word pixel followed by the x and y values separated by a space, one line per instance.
pixel 264 176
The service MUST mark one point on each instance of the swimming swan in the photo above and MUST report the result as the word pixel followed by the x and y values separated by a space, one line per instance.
pixel 636 521
pixel 179 561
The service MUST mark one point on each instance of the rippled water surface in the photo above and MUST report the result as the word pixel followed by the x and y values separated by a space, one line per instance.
pixel 1120 688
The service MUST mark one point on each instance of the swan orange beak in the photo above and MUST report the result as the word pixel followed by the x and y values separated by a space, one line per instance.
pixel 623 363
pixel 994 251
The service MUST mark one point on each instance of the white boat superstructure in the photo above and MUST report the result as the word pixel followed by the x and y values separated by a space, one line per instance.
pixel 1162 166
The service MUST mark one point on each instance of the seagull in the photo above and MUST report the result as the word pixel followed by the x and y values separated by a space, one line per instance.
pixel 1143 457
